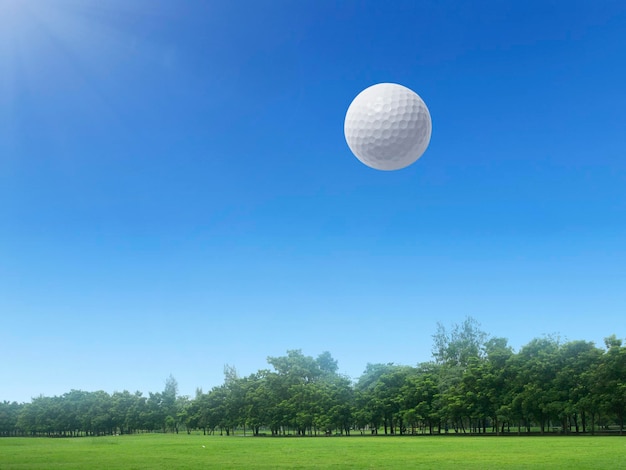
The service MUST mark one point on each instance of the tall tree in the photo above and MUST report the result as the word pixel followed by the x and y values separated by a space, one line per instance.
pixel 578 359
pixel 611 380
pixel 371 410
pixel 462 343
pixel 169 411
pixel 419 394
pixel 9 413
pixel 538 364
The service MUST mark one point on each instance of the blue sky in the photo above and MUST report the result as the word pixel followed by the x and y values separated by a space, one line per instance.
pixel 176 193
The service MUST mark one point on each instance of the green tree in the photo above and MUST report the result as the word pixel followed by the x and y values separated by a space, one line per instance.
pixel 369 412
pixel 459 345
pixel 168 404
pixel 537 395
pixel 9 414
pixel 610 383
pixel 419 394
pixel 294 386
pixel 454 350
pixel 387 395
pixel 578 359
pixel 259 401
pixel 154 412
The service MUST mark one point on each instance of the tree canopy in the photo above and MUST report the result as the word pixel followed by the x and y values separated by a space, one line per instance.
pixel 474 384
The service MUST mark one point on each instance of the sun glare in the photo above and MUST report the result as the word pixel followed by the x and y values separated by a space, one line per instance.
pixel 58 56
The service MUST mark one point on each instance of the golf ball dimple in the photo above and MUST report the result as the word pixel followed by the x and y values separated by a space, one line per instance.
pixel 388 126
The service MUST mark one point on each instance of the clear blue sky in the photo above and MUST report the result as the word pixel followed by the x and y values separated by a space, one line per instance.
pixel 176 193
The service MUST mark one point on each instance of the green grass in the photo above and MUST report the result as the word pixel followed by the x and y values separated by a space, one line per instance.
pixel 158 451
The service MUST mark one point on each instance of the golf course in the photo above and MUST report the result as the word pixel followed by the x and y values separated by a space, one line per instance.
pixel 182 451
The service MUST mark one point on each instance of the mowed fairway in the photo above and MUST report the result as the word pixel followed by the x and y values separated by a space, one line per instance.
pixel 156 451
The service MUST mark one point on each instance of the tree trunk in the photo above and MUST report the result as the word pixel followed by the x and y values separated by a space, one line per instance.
pixel 583 419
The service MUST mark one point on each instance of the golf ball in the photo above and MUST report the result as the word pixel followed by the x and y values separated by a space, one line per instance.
pixel 387 126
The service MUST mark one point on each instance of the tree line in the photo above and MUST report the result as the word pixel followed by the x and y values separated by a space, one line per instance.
pixel 474 384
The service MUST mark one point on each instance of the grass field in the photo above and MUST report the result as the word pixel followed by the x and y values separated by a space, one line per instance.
pixel 159 451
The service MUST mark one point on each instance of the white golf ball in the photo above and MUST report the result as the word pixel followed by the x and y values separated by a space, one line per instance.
pixel 388 126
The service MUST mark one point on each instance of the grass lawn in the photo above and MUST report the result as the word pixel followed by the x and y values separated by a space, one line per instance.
pixel 158 451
